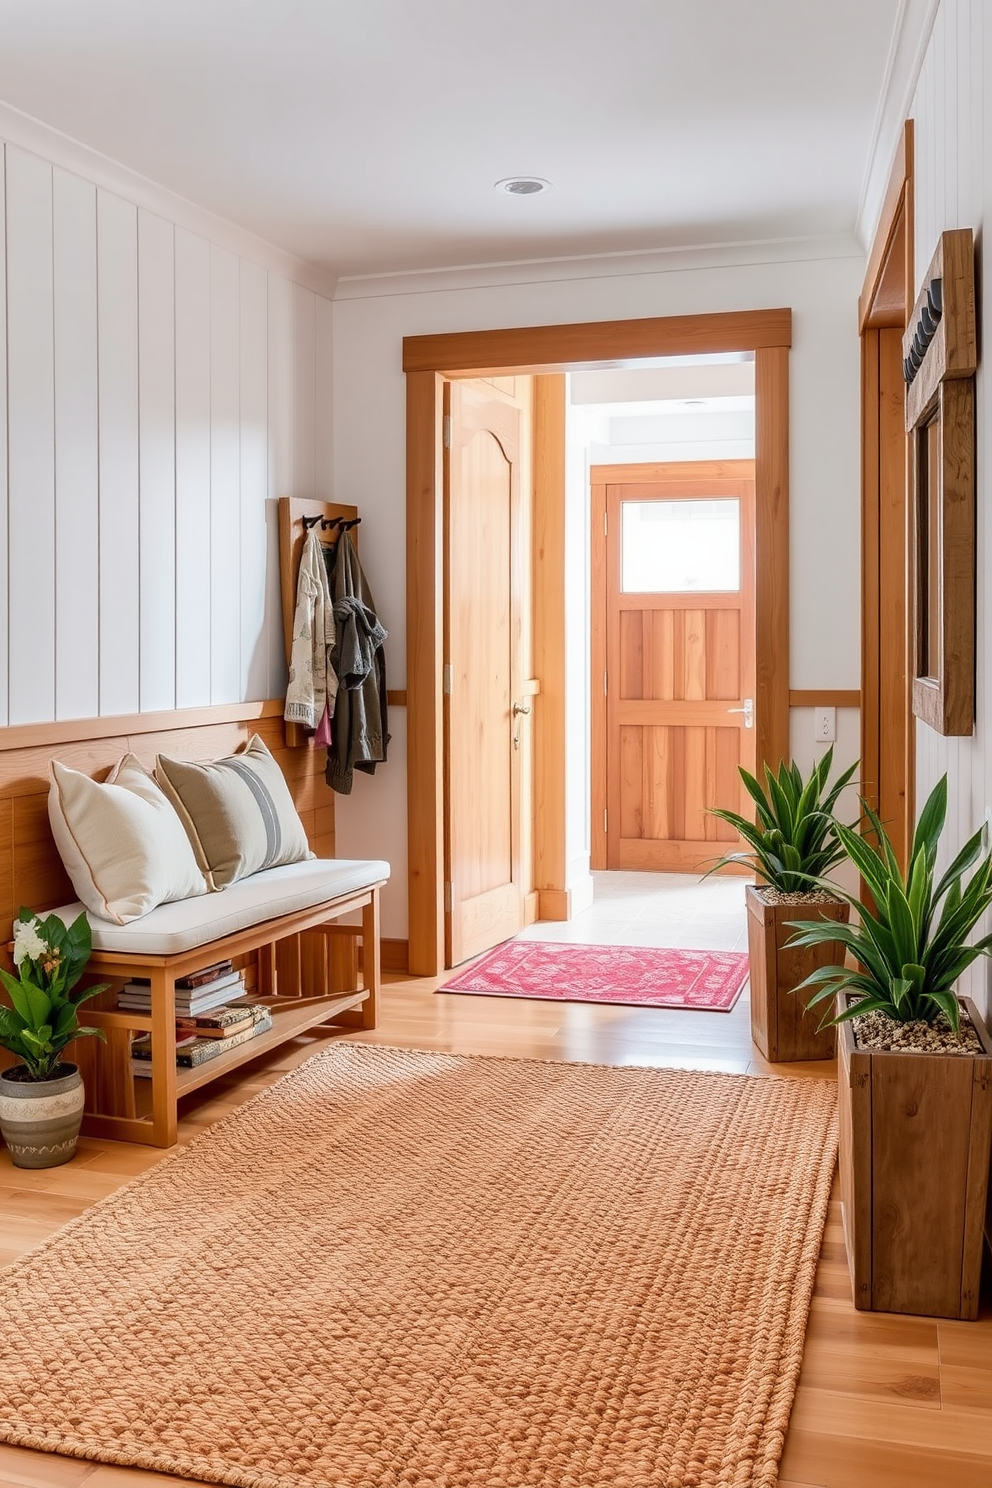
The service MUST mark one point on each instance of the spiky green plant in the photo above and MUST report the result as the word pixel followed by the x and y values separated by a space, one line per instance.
pixel 911 950
pixel 794 843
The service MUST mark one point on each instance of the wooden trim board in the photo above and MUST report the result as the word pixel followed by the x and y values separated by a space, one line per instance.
pixel 555 348
pixel 73 730
pixel 888 737
pixel 825 697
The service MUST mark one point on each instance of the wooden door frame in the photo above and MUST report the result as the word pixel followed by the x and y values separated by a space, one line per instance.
pixel 678 472
pixel 428 362
pixel 888 734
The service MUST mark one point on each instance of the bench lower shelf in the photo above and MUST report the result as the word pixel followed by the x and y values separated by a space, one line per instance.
pixel 290 1016
pixel 138 1108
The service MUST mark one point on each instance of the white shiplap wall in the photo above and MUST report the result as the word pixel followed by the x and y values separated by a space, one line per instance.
pixel 161 391
pixel 953 189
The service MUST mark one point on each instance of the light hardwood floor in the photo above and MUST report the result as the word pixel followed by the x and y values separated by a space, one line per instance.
pixel 883 1402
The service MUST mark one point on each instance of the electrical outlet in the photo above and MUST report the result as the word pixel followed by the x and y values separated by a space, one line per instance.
pixel 824 725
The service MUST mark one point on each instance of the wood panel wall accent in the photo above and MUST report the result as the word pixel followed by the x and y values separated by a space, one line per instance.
pixel 428 361
pixel 424 635
pixel 888 739
pixel 548 610
pixel 31 871
pixel 771 544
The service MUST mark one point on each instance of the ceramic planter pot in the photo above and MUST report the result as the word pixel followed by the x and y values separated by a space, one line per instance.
pixel 780 1025
pixel 915 1138
pixel 40 1119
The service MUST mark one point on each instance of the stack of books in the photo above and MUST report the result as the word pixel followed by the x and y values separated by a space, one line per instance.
pixel 199 992
pixel 210 1018
pixel 210 1034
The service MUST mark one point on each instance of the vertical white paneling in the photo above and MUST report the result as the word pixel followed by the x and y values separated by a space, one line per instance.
pixel 192 470
pixel 31 439
pixel 157 462
pixel 4 627
pixel 225 476
pixel 952 190
pixel 305 351
pixel 77 536
pixel 117 335
pixel 324 398
pixel 254 479
pixel 282 425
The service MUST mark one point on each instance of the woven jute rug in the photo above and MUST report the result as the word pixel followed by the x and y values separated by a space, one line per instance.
pixel 413 1270
pixel 634 976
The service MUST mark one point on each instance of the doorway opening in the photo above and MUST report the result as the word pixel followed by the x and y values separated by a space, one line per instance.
pixel 668 456
pixel 546 353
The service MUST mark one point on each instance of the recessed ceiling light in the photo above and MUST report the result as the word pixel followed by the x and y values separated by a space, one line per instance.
pixel 522 185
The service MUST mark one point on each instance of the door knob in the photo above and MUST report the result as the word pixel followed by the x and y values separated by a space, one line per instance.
pixel 519 708
pixel 747 710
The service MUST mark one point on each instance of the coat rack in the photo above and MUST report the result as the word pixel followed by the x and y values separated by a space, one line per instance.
pixel 295 518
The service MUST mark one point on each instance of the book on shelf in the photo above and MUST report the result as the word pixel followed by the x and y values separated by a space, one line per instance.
pixel 141 986
pixel 193 978
pixel 201 1000
pixel 194 1050
pixel 209 974
pixel 221 1022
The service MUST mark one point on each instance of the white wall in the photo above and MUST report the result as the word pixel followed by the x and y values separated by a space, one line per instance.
pixel 162 390
pixel 369 455
pixel 953 127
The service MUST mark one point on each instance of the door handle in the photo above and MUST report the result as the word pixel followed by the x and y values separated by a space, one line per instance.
pixel 519 708
pixel 747 710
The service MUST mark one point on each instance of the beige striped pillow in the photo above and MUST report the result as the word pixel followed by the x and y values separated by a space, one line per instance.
pixel 237 811
pixel 122 844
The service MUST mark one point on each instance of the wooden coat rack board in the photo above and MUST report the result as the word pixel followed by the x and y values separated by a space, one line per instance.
pixel 292 534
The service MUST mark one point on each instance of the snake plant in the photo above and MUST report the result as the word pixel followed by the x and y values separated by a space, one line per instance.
pixel 911 949
pixel 794 842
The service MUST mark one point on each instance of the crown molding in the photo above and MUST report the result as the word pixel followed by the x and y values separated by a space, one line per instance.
pixel 739 254
pixel 910 39
pixel 59 149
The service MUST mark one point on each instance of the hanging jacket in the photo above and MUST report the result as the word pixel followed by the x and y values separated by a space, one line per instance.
pixel 358 731
pixel 312 680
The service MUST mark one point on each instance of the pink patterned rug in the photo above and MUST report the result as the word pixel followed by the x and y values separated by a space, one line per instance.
pixel 637 976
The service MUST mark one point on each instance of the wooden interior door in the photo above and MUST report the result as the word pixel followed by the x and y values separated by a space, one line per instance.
pixel 678 601
pixel 485 711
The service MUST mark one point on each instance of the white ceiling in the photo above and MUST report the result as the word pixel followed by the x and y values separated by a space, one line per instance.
pixel 366 135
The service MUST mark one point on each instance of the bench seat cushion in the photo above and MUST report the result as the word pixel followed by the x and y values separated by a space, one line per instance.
pixel 173 928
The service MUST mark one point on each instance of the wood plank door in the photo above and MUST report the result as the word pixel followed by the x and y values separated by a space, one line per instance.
pixel 485 711
pixel 677 601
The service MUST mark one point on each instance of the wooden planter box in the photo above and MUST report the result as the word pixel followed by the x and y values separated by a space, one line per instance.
pixel 780 1025
pixel 915 1135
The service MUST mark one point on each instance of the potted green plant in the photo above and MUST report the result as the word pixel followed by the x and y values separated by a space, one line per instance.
pixel 792 846
pixel 41 1098
pixel 914 1070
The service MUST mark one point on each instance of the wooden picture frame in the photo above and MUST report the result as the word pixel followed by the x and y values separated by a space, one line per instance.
pixel 939 363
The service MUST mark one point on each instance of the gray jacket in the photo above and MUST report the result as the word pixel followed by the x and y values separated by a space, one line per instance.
pixel 358 728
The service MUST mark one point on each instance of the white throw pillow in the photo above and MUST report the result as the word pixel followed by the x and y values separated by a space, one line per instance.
pixel 122 843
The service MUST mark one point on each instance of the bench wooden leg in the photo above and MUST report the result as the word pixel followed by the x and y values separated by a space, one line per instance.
pixel 371 960
pixel 164 1121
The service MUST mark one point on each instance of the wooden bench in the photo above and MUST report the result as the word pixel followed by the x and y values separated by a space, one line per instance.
pixel 296 956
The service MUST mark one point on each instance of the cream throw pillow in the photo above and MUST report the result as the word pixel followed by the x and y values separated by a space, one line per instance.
pixel 121 842
pixel 237 811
